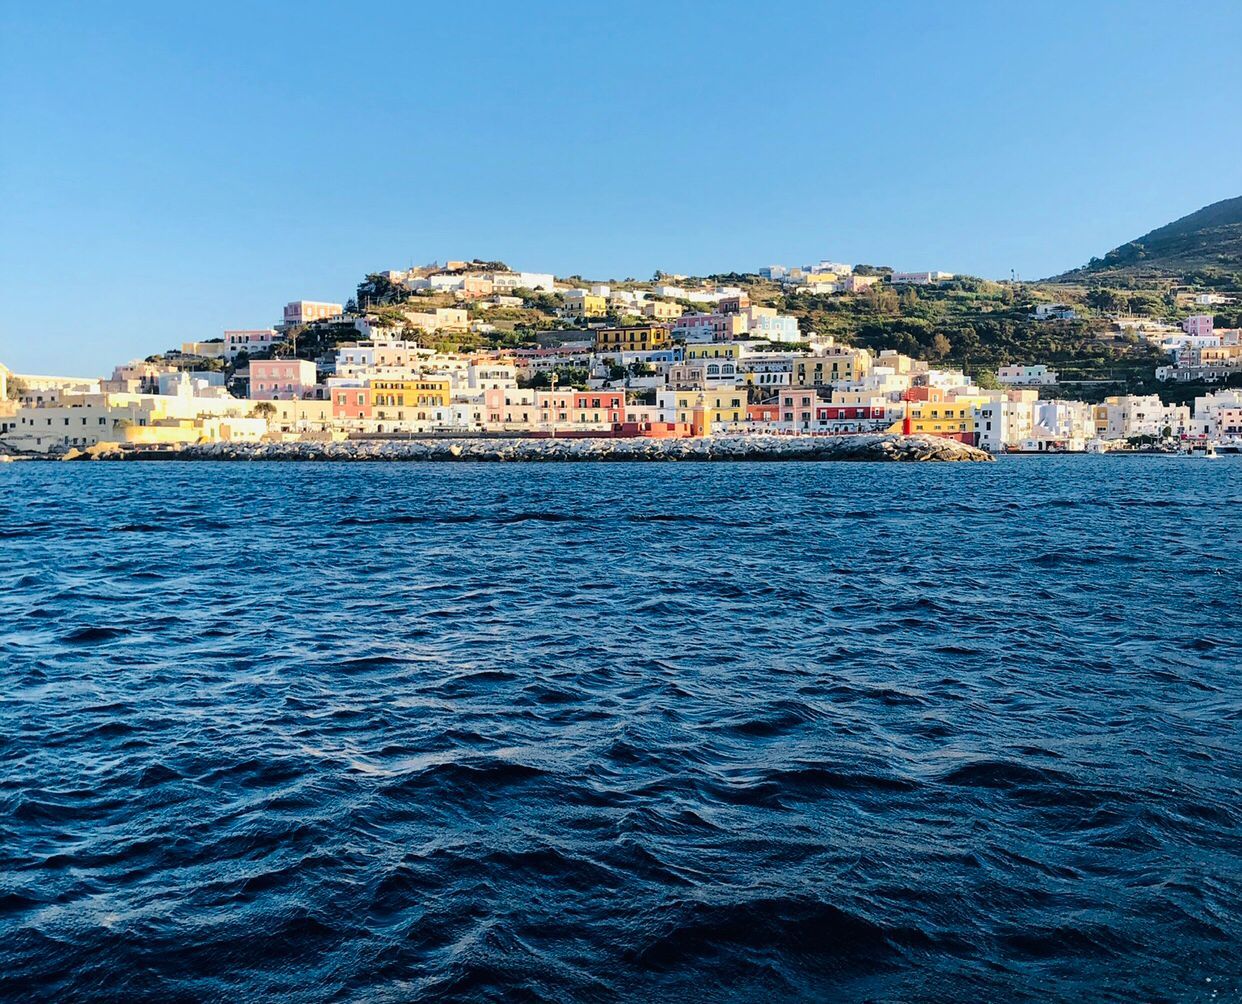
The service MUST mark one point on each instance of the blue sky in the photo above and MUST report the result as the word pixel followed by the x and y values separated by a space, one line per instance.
pixel 170 170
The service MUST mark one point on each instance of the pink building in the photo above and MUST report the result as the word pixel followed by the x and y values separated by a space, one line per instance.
pixel 542 410
pixel 1198 324
pixel 803 410
pixel 306 311
pixel 600 407
pixel 351 402
pixel 280 379
pixel 1229 422
pixel 709 327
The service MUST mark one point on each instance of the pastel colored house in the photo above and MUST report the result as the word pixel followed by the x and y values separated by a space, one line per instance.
pixel 803 409
pixel 1198 325
pixel 718 360
pixel 250 340
pixel 408 400
pixel 509 408
pixel 766 324
pixel 637 338
pixel 599 407
pixel 308 311
pixel 204 350
pixel 857 283
pixel 937 417
pixel 831 366
pixel 273 379
pixel 439 319
pixel 1026 376
pixel 661 310
pixel 709 327
pixel 703 409
pixel 351 403
pixel 581 303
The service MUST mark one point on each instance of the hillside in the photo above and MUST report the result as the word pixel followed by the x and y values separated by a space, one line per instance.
pixel 1205 246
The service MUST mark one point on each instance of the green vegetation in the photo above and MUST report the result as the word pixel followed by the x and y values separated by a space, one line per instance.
pixel 980 326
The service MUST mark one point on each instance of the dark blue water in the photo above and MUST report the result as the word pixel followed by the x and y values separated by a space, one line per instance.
pixel 621 732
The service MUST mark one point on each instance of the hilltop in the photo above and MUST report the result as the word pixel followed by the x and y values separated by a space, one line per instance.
pixel 1205 247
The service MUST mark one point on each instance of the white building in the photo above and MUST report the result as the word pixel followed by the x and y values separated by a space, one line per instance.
pixel 919 278
pixel 1054 312
pixel 250 341
pixel 82 420
pixel 1003 424
pixel 1130 415
pixel 1026 376
pixel 1063 421
pixel 1216 415
pixel 540 282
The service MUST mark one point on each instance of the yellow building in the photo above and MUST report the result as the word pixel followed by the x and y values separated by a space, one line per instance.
pixel 661 310
pixel 639 338
pixel 940 418
pixel 582 304
pixel 714 350
pixel 438 319
pixel 391 398
pixel 827 367
pixel 821 279
pixel 720 406
pixel 299 415
pixel 898 362
pixel 1210 354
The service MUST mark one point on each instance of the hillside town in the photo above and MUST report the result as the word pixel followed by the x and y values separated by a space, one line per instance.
pixel 476 349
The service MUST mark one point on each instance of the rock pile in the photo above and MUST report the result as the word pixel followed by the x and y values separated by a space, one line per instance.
pixel 863 447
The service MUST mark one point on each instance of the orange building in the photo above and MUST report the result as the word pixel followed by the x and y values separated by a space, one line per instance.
pixel 351 402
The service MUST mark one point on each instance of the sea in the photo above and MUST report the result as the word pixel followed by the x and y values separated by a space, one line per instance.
pixel 622 732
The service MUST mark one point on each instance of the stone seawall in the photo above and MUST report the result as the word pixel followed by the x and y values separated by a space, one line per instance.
pixel 873 447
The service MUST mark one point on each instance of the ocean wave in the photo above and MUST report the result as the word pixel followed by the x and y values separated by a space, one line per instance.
pixel 608 732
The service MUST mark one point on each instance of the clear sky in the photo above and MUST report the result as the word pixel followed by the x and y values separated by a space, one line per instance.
pixel 169 170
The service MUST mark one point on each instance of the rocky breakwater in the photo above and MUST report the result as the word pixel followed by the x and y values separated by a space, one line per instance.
pixel 875 447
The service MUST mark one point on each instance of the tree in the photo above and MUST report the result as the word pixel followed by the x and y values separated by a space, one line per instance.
pixel 264 409
pixel 1146 304
pixel 881 299
pixel 940 346
pixel 1106 299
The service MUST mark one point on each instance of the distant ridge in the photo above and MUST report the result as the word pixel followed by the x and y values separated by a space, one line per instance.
pixel 1206 241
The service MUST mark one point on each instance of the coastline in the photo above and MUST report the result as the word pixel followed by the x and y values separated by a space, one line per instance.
pixel 860 447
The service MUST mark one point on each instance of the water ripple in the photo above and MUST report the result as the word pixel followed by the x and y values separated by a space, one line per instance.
pixel 606 732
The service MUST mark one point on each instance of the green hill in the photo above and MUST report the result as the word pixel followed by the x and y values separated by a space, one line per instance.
pixel 1205 246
